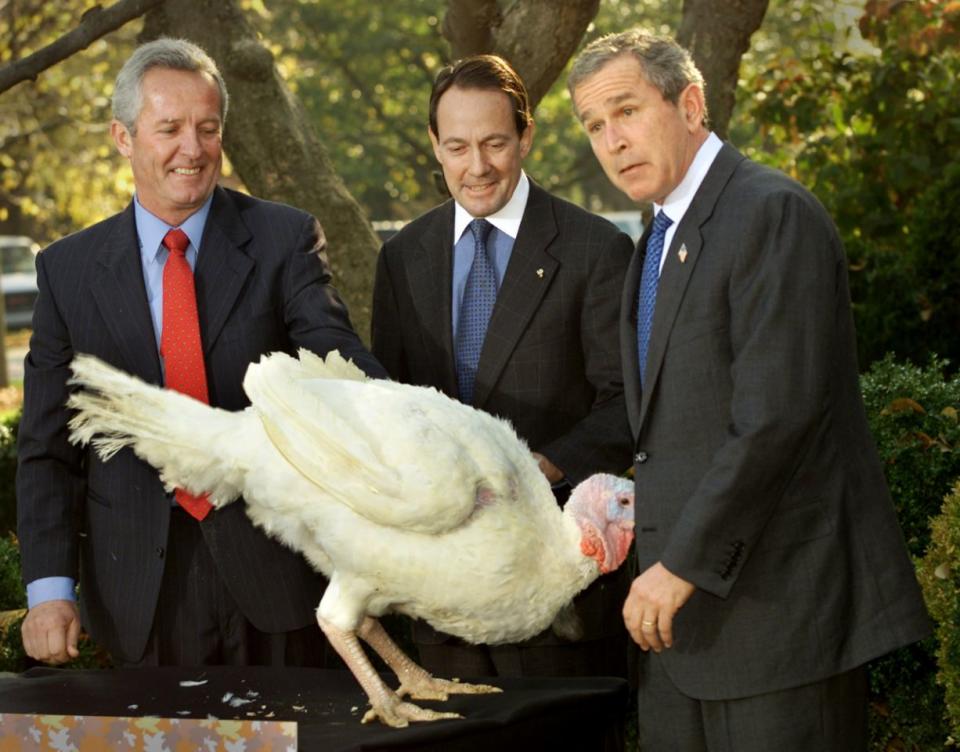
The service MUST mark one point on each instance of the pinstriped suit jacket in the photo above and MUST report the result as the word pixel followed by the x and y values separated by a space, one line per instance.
pixel 262 286
pixel 550 362
pixel 756 475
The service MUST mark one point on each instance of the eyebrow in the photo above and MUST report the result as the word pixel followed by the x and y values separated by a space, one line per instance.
pixel 616 99
pixel 491 137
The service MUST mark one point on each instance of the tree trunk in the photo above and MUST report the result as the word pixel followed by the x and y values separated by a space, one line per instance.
pixel 519 35
pixel 271 144
pixel 717 34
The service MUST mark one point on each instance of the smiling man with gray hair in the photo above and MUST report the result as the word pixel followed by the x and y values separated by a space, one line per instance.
pixel 186 287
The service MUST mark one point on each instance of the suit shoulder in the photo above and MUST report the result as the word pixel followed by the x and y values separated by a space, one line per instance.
pixel 87 239
pixel 430 222
pixel 261 208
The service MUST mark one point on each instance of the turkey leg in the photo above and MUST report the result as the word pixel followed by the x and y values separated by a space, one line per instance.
pixel 414 680
pixel 385 704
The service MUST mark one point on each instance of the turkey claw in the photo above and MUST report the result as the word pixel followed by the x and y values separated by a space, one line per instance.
pixel 400 715
pixel 441 689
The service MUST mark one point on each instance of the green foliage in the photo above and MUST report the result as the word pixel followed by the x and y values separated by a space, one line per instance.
pixel 870 130
pixel 8 473
pixel 940 577
pixel 913 417
pixel 913 414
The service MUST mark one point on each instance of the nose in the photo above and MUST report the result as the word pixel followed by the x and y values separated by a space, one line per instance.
pixel 478 162
pixel 613 138
pixel 190 143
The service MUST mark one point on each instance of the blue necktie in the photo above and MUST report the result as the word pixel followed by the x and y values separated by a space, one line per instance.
pixel 647 294
pixel 479 297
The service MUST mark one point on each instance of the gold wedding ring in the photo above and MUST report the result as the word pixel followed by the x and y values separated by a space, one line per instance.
pixel 647 624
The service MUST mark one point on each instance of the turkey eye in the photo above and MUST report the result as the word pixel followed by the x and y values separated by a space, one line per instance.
pixel 624 501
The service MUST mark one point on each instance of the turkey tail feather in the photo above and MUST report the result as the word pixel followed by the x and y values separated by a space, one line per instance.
pixel 184 439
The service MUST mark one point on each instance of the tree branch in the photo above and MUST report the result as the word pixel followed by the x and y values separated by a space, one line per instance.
pixel 94 24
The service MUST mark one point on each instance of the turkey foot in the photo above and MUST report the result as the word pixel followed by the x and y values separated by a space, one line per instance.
pixel 385 704
pixel 415 681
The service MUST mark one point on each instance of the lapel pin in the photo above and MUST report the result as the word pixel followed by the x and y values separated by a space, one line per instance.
pixel 682 253
pixel 540 272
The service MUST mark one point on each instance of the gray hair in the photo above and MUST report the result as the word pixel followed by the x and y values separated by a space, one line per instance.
pixel 176 54
pixel 666 65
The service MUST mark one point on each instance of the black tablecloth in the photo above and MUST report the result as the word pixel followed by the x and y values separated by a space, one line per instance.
pixel 530 714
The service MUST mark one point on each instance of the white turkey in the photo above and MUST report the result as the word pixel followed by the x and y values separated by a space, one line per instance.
pixel 406 500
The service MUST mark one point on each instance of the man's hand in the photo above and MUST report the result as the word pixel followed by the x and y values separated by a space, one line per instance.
pixel 51 630
pixel 654 598
pixel 553 473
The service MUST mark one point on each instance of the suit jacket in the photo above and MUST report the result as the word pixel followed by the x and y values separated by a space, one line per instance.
pixel 550 362
pixel 756 475
pixel 262 286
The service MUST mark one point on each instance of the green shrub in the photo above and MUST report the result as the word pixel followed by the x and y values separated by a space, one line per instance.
pixel 913 414
pixel 913 417
pixel 939 574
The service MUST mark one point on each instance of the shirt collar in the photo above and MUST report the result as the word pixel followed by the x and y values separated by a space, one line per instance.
pixel 680 198
pixel 506 220
pixel 151 229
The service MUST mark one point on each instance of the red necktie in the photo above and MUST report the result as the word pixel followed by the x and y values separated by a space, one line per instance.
pixel 180 345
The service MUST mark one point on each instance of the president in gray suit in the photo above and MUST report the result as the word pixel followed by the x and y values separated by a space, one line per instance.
pixel 548 357
pixel 771 564
pixel 158 586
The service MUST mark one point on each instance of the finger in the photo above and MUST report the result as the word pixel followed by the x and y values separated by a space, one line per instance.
pixel 29 640
pixel 665 627
pixel 648 630
pixel 73 636
pixel 56 644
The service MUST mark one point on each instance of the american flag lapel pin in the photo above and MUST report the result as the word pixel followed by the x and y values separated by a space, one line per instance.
pixel 682 253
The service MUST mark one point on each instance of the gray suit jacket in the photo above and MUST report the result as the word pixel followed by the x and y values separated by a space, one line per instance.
pixel 262 286
pixel 756 475
pixel 550 362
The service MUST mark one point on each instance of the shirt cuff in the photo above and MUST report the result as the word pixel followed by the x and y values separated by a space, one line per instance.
pixel 50 589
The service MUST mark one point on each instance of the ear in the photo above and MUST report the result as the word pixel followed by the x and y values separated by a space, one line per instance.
pixel 692 105
pixel 122 138
pixel 526 140
pixel 436 143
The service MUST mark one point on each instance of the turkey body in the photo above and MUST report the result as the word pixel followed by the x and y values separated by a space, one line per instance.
pixel 406 500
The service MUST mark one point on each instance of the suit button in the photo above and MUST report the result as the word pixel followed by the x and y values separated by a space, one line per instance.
pixel 641 458
pixel 160 551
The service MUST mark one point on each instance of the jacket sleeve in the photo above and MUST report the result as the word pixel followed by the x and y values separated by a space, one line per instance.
pixel 386 336
pixel 316 317
pixel 785 300
pixel 601 440
pixel 51 485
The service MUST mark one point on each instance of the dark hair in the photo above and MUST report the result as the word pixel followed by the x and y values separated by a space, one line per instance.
pixel 483 72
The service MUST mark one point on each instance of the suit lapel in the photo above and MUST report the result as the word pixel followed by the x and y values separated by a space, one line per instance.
pixel 222 266
pixel 526 281
pixel 676 274
pixel 430 274
pixel 628 333
pixel 120 294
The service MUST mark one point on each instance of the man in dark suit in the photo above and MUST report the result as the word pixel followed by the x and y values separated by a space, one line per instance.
pixel 546 357
pixel 159 586
pixel 771 564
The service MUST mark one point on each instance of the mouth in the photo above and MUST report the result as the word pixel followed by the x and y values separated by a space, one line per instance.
pixel 481 188
pixel 187 171
pixel 632 168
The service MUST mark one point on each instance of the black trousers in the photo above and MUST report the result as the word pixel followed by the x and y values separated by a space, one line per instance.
pixel 826 716
pixel 198 623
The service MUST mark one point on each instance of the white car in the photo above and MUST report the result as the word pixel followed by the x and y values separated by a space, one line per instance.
pixel 18 280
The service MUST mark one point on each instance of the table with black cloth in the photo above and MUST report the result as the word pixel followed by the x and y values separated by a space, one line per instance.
pixel 530 714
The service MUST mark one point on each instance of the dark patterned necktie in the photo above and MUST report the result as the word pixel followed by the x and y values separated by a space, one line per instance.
pixel 647 294
pixel 479 297
pixel 180 344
